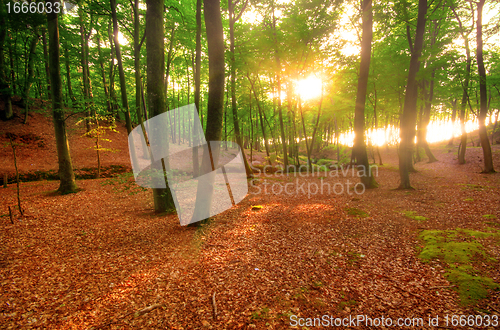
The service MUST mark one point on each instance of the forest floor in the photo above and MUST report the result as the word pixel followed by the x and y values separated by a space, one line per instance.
pixel 99 257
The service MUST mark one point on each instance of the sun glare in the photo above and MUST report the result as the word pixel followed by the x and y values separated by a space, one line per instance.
pixel 308 88
pixel 437 131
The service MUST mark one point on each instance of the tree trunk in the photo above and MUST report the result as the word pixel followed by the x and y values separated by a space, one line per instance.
pixel 85 73
pixel 236 123
pixel 46 63
pixel 162 197
pixel 68 76
pixel 66 175
pixel 216 71
pixel 425 121
pixel 309 163
pixel 121 72
pixel 29 78
pixel 5 92
pixel 169 62
pixel 261 120
pixel 359 148
pixel 137 63
pixel 103 72
pixel 278 82
pixel 483 135
pixel 409 116
pixel 197 85
pixel 465 93
pixel 112 94
pixel 453 119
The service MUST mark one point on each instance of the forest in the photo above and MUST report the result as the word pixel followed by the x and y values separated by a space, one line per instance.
pixel 323 163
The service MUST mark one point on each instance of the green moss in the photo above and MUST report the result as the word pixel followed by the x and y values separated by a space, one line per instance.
pixel 412 215
pixel 457 248
pixel 344 304
pixel 489 216
pixel 472 186
pixel 469 200
pixel 262 314
pixel 471 287
pixel 356 212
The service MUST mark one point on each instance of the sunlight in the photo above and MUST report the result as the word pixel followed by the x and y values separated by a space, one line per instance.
pixel 122 40
pixel 437 131
pixel 308 88
pixel 251 16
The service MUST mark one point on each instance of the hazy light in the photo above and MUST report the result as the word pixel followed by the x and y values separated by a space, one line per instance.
pixel 122 40
pixel 437 131
pixel 308 88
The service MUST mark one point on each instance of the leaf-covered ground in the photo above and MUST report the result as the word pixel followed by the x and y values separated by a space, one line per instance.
pixel 98 258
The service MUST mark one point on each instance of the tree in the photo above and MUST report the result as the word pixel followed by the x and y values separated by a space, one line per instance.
pixel 5 92
pixel 215 41
pixel 409 116
pixel 483 136
pixel 66 175
pixel 121 72
pixel 465 88
pixel 359 149
pixel 162 197
pixel 236 124
pixel 30 73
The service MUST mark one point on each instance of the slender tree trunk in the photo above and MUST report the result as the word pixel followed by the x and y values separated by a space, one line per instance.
pixel 30 73
pixel 66 175
pixel 261 120
pixel 483 135
pixel 162 197
pixel 121 72
pixel 236 123
pixel 5 92
pixel 68 76
pixel 465 93
pixel 251 126
pixel 359 148
pixel 409 116
pixel 308 153
pixel 112 94
pixel 137 63
pixel 316 126
pixel 46 63
pixel 103 72
pixel 453 119
pixel 197 85
pixel 169 62
pixel 278 82
pixel 426 119
pixel 85 73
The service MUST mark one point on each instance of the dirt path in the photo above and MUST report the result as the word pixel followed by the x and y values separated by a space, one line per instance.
pixel 95 258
